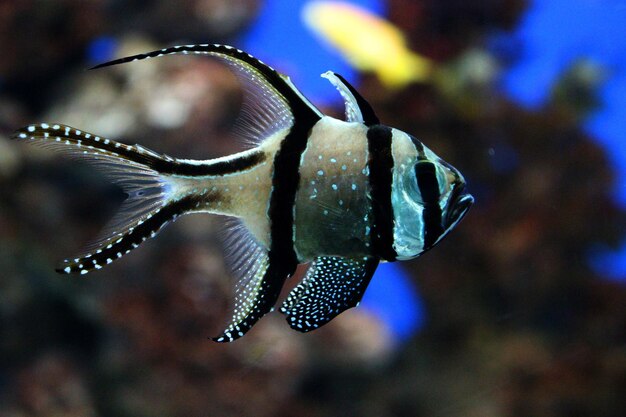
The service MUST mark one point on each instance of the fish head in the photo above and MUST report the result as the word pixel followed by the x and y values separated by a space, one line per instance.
pixel 429 197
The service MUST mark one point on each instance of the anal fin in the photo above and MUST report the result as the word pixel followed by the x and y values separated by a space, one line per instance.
pixel 259 279
pixel 255 299
pixel 331 285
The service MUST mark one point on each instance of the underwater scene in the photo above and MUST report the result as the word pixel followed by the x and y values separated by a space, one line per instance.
pixel 371 208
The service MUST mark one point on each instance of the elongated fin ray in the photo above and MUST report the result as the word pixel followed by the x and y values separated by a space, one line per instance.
pixel 357 108
pixel 331 285
pixel 129 238
pixel 75 142
pixel 271 101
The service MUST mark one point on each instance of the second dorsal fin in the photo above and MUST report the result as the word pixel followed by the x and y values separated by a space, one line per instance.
pixel 357 108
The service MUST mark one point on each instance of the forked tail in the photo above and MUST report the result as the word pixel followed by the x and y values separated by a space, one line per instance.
pixel 153 197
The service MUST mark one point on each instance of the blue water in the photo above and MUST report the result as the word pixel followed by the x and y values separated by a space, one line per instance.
pixel 393 298
pixel 101 49
pixel 553 35
pixel 281 38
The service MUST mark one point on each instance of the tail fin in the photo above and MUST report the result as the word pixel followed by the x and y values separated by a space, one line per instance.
pixel 152 199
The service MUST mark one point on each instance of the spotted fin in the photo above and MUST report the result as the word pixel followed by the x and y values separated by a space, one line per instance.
pixel 258 280
pixel 247 261
pixel 357 108
pixel 331 285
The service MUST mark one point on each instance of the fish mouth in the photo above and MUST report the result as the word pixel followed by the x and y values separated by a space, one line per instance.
pixel 460 202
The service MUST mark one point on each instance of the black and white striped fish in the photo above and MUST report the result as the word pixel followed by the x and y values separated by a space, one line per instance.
pixel 340 195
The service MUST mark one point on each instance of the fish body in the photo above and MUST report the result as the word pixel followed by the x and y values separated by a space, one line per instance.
pixel 340 195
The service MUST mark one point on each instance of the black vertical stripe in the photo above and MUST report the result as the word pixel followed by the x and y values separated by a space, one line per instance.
pixel 285 180
pixel 282 258
pixel 380 164
pixel 426 174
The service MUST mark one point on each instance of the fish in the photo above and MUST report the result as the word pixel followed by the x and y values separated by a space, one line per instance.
pixel 368 42
pixel 339 195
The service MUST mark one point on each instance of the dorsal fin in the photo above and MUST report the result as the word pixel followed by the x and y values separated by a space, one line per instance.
pixel 357 108
pixel 271 101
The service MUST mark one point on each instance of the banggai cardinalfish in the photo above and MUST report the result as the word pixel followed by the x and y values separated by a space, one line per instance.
pixel 340 195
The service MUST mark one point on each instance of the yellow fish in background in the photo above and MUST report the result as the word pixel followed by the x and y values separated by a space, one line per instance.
pixel 368 42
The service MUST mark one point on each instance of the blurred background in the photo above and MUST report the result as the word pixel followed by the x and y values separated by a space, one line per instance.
pixel 521 311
